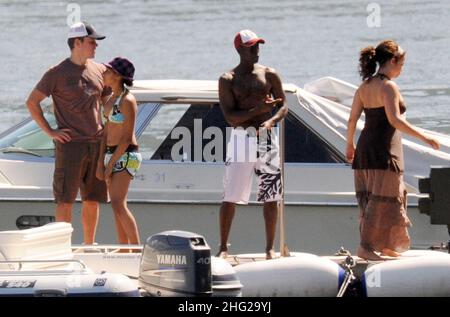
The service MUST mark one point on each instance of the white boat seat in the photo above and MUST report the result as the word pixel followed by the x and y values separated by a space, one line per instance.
pixel 49 242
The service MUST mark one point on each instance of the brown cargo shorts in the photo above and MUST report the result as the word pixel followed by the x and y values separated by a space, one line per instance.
pixel 75 167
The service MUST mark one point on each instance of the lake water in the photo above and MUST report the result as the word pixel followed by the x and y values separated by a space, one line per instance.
pixel 177 39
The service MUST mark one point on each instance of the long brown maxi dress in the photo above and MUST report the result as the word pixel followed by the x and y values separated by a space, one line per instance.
pixel 380 191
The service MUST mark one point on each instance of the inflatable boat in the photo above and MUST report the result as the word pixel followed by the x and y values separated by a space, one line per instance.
pixel 39 262
pixel 42 262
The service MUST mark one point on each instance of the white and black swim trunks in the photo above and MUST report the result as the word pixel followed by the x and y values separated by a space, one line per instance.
pixel 251 152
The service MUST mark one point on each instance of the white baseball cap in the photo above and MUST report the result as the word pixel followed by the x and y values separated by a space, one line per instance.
pixel 247 38
pixel 83 29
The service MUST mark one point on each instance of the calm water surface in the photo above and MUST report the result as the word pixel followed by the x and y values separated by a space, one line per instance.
pixel 176 39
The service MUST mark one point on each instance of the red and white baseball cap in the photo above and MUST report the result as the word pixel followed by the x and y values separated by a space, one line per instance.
pixel 247 38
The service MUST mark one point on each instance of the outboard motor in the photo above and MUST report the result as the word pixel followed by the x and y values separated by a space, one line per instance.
pixel 176 263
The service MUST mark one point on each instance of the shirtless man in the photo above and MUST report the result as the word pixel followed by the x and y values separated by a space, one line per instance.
pixel 248 96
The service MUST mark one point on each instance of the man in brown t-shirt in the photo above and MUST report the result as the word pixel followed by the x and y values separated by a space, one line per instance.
pixel 76 87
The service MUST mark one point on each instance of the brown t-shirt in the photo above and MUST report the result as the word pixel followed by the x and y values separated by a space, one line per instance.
pixel 76 92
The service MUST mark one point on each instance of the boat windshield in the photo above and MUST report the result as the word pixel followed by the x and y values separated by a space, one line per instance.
pixel 184 130
pixel 28 138
pixel 159 129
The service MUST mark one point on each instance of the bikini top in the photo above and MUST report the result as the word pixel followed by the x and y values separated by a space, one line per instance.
pixel 115 116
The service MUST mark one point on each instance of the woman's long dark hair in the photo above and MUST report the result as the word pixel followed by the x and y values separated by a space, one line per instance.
pixel 369 56
pixel 128 82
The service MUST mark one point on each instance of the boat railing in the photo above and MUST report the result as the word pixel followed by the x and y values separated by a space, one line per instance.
pixel 21 263
pixel 106 248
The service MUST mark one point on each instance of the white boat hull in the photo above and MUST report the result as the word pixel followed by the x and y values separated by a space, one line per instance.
pixel 66 284
pixel 317 229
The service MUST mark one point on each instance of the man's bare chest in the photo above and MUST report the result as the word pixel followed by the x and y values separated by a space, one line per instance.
pixel 250 86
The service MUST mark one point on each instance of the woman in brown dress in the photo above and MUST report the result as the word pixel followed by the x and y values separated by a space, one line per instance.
pixel 378 157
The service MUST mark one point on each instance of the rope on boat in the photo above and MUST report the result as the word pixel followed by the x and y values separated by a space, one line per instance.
pixel 349 275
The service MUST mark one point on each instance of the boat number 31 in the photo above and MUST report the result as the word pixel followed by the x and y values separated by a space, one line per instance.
pixel 155 177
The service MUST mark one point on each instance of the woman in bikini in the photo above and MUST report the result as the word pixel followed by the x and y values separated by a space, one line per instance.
pixel 121 159
pixel 378 158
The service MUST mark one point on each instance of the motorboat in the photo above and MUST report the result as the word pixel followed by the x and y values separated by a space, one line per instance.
pixel 42 262
pixel 182 137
